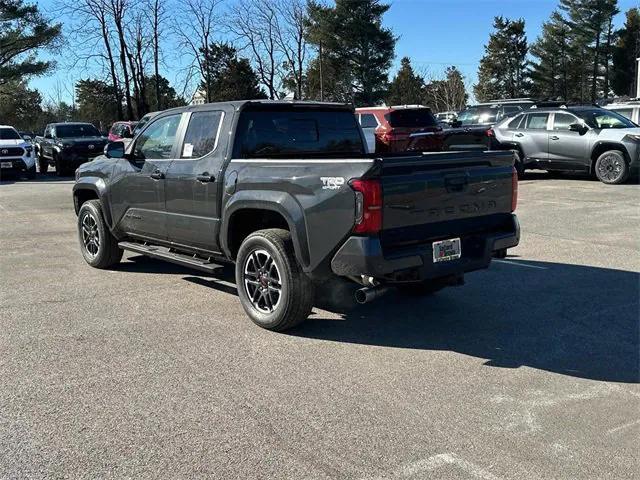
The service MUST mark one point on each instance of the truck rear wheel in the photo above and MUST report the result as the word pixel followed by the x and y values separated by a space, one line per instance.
pixel 273 290
pixel 98 246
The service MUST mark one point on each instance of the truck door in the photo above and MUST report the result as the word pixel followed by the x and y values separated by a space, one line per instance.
pixel 138 188
pixel 47 143
pixel 194 179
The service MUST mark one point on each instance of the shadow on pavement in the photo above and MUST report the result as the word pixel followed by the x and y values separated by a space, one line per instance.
pixel 568 319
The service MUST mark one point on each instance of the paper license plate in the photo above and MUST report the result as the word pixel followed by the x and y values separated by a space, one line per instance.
pixel 6 165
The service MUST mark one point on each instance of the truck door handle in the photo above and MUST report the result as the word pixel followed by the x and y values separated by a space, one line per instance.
pixel 554 138
pixel 205 177
pixel 519 134
pixel 157 175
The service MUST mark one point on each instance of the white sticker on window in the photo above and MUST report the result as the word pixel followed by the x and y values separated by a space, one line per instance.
pixel 187 151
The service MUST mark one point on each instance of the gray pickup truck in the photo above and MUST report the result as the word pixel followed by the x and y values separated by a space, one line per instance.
pixel 287 192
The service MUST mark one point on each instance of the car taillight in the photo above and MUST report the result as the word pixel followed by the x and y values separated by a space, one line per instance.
pixel 491 133
pixel 368 217
pixel 393 136
pixel 514 189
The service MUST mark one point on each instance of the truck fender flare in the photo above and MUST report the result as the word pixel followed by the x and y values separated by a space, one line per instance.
pixel 278 202
pixel 98 187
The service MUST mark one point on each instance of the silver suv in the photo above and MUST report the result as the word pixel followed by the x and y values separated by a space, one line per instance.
pixel 580 139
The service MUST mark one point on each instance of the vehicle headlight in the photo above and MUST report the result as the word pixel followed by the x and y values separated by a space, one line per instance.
pixel 635 137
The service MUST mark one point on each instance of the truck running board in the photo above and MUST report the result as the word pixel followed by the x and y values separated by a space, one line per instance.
pixel 169 255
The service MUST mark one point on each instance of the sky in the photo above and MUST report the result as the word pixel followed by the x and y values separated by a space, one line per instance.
pixel 433 33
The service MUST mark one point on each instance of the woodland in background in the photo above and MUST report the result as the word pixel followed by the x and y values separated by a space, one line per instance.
pixel 243 49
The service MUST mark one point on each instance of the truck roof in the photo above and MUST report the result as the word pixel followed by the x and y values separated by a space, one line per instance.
pixel 240 104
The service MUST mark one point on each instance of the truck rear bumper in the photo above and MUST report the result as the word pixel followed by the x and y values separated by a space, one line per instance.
pixel 365 256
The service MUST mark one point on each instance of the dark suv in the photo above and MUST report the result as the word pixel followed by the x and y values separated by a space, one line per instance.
pixel 472 130
pixel 586 139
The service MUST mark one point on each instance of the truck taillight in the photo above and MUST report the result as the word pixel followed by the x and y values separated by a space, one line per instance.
pixel 368 217
pixel 491 133
pixel 514 189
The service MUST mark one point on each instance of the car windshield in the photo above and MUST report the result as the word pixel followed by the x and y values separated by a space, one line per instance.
pixel 79 130
pixel 301 132
pixel 601 119
pixel 411 118
pixel 478 115
pixel 9 134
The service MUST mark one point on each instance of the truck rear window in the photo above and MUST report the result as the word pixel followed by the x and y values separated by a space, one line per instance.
pixel 295 133
pixel 411 118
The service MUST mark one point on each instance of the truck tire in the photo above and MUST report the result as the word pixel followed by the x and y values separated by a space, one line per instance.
pixel 59 168
pixel 43 165
pixel 31 172
pixel 273 290
pixel 612 168
pixel 98 246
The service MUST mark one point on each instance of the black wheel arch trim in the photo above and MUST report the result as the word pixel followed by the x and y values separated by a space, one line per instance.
pixel 98 187
pixel 279 202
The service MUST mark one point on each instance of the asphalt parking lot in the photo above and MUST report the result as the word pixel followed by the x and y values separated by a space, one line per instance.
pixel 530 370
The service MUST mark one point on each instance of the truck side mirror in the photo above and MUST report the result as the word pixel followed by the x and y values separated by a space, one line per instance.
pixel 114 150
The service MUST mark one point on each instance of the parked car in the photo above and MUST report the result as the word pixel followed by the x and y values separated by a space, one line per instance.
pixel 287 192
pixel 67 145
pixel 447 117
pixel 629 109
pixel 586 139
pixel 403 128
pixel 16 154
pixel 472 129
pixel 121 130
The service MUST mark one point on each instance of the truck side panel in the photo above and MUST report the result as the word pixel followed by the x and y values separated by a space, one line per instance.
pixel 319 188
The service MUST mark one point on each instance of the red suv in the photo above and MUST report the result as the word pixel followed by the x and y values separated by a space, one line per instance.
pixel 120 130
pixel 401 128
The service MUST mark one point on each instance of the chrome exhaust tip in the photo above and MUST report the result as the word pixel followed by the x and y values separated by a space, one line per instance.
pixel 367 294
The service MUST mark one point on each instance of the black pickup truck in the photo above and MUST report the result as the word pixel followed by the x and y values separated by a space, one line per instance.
pixel 67 145
pixel 287 192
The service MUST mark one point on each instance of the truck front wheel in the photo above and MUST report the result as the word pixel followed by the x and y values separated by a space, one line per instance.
pixel 99 248
pixel 273 290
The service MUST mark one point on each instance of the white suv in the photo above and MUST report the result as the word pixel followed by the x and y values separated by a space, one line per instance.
pixel 16 154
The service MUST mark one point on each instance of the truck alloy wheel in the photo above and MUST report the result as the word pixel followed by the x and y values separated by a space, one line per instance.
pixel 262 281
pixel 90 234
pixel 272 288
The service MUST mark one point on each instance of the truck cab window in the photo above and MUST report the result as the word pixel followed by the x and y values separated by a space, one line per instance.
pixel 202 133
pixel 156 143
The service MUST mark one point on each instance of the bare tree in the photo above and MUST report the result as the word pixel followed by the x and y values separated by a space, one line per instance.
pixel 92 34
pixel 195 30
pixel 118 10
pixel 255 26
pixel 291 41
pixel 156 17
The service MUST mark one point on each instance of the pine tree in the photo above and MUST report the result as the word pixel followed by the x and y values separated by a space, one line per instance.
pixel 406 88
pixel 589 22
pixel 552 74
pixel 503 70
pixel 232 78
pixel 356 48
pixel 23 30
pixel 626 50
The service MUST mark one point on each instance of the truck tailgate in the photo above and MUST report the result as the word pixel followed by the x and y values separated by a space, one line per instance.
pixel 439 192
